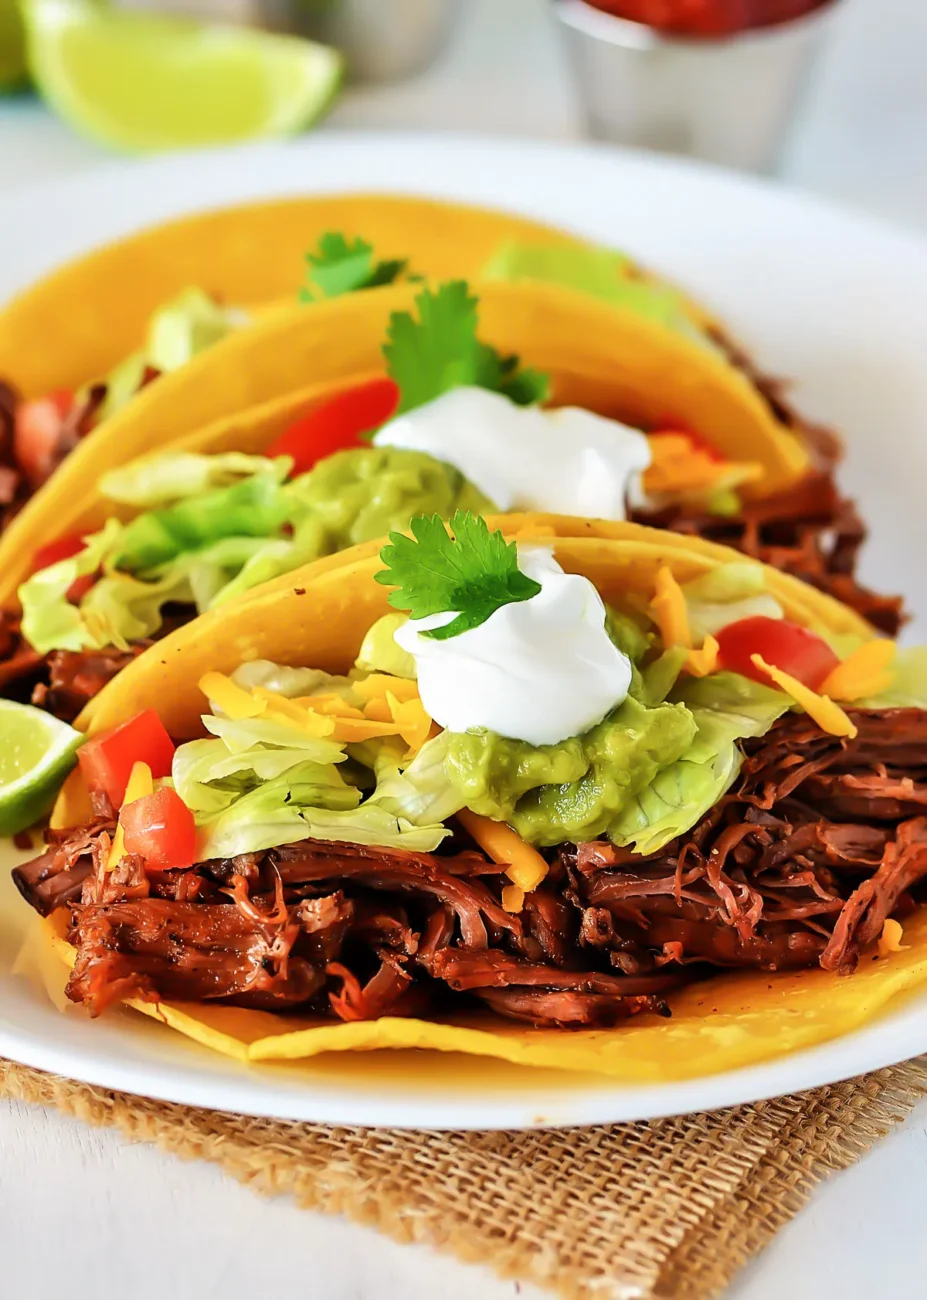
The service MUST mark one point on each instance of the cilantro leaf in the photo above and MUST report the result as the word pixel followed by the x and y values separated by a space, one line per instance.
pixel 523 387
pixel 339 266
pixel 471 572
pixel 440 351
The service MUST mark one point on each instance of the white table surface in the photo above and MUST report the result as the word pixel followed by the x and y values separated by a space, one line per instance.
pixel 83 1214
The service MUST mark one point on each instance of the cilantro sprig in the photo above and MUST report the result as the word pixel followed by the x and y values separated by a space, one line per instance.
pixel 469 571
pixel 340 266
pixel 440 351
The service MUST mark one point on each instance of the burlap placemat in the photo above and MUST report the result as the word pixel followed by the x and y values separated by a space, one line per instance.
pixel 669 1209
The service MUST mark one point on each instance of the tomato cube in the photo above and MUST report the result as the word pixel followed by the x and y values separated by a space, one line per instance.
pixel 106 760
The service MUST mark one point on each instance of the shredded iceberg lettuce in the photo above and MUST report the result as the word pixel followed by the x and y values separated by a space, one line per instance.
pixel 177 332
pixel 909 686
pixel 285 680
pixel 259 783
pixel 253 507
pixel 420 792
pixel 49 620
pixel 726 708
pixel 726 595
pixel 214 527
pixel 170 476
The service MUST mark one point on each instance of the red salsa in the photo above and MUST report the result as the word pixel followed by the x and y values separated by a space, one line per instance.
pixel 707 18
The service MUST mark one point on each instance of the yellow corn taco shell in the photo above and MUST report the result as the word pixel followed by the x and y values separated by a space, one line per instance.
pixel 84 318
pixel 598 357
pixel 318 616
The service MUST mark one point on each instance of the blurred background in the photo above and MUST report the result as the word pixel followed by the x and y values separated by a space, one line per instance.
pixel 829 94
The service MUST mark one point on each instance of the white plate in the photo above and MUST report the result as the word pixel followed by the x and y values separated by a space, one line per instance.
pixel 838 301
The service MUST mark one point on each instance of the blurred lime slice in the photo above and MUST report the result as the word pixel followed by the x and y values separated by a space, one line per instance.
pixel 12 46
pixel 141 81
pixel 36 755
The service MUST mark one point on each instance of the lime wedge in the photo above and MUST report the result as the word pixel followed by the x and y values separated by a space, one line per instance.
pixel 140 81
pixel 12 46
pixel 36 754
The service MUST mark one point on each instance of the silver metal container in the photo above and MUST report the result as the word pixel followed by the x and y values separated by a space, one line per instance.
pixel 382 40
pixel 729 100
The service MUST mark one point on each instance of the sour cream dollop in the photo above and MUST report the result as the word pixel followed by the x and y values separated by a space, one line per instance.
pixel 566 461
pixel 540 670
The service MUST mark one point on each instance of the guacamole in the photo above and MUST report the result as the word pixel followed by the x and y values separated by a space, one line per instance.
pixel 601 273
pixel 358 495
pixel 573 791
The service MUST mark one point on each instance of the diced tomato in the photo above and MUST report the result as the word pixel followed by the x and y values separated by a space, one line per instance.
pixel 784 645
pixel 159 827
pixel 80 586
pixel 52 552
pixel 106 760
pixel 37 434
pixel 337 424
pixel 64 549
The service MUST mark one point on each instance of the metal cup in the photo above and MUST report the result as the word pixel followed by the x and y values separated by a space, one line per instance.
pixel 729 100
pixel 381 40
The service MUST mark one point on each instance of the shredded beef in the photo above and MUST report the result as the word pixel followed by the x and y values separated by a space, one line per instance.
pixel 57 876
pixel 785 871
pixel 820 840
pixel 76 676
pixel 13 486
pixel 808 530
pixel 16 484
pixel 64 681
pixel 20 665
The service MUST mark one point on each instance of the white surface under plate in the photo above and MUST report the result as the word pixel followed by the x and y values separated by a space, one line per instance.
pixel 835 300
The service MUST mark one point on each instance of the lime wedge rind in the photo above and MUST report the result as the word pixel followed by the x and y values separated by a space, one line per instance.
pixel 29 795
pixel 142 81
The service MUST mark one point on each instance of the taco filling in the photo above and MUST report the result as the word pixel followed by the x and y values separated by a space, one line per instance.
pixel 453 425
pixel 37 434
pixel 809 529
pixel 520 797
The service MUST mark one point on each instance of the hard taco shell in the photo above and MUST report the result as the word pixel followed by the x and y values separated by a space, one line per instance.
pixel 318 616
pixel 243 391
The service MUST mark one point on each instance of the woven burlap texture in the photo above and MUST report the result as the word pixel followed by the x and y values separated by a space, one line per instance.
pixel 670 1209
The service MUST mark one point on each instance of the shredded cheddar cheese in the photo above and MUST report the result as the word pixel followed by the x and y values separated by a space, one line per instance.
pixel 701 663
pixel 524 865
pixel 378 685
pixel 387 706
pixel 234 701
pixel 331 705
pixel 513 898
pixel 277 708
pixel 828 715
pixel 412 722
pixel 867 671
pixel 378 710
pixel 890 938
pixel 669 609
pixel 138 785
pixel 679 467
pixel 672 618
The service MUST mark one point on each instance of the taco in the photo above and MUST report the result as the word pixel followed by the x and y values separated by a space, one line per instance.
pixel 79 345
pixel 480 789
pixel 249 256
pixel 252 496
